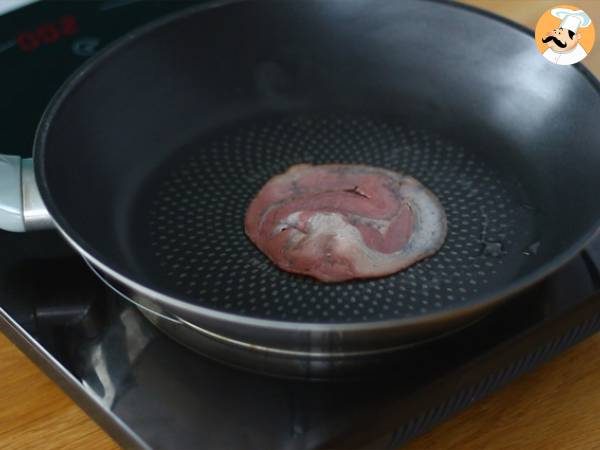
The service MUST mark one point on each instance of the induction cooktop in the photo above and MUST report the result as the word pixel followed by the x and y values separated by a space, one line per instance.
pixel 147 391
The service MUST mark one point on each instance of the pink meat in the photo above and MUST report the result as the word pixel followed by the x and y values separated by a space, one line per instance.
pixel 339 222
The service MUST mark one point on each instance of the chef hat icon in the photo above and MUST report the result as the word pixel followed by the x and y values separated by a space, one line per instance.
pixel 571 19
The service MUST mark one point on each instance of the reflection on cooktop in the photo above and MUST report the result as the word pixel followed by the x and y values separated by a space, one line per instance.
pixel 163 391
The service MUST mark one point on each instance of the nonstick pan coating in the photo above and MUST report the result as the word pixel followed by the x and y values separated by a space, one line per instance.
pixel 188 230
pixel 149 156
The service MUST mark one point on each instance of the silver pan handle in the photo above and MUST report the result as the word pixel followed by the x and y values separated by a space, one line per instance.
pixel 21 206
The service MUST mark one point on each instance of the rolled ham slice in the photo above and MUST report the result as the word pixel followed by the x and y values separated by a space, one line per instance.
pixel 339 222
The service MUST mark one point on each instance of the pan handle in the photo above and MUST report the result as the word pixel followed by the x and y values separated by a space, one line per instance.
pixel 21 206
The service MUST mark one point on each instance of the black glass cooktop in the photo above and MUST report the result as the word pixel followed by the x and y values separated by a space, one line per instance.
pixel 148 391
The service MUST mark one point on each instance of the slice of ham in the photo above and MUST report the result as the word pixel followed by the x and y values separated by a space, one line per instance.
pixel 339 222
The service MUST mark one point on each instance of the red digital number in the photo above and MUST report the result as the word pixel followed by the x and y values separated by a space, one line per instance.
pixel 27 42
pixel 68 25
pixel 47 33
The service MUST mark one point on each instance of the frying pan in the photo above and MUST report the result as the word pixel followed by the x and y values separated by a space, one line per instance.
pixel 146 160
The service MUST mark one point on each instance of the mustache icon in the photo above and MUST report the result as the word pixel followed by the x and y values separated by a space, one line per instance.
pixel 555 40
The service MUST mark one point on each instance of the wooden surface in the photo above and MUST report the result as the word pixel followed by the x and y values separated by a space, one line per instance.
pixel 35 413
pixel 554 407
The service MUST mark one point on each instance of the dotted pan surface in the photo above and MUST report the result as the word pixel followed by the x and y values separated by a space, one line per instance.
pixel 192 243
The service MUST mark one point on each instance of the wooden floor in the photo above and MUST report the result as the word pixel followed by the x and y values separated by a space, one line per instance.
pixel 554 407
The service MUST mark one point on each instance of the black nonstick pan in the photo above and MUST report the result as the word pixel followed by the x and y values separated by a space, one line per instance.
pixel 148 157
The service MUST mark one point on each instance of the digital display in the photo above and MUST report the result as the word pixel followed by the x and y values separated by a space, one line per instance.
pixel 47 33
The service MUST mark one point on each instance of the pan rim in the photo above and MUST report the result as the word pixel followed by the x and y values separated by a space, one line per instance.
pixel 472 306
